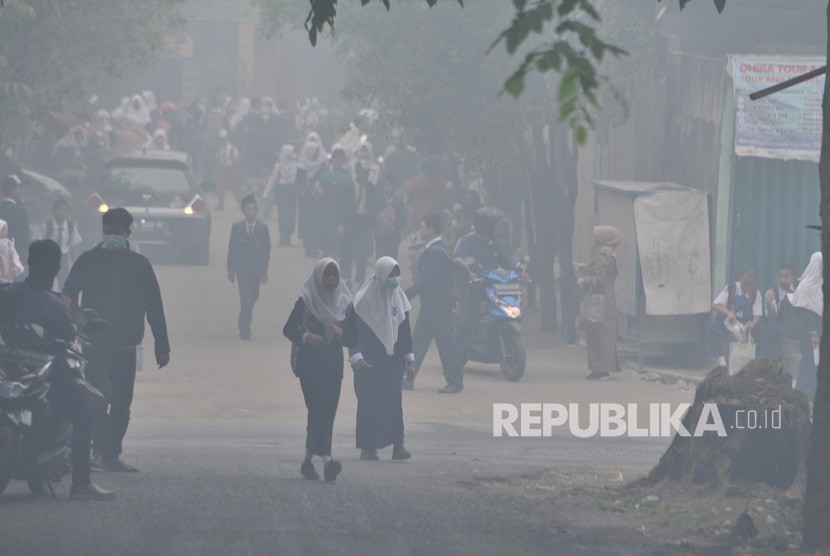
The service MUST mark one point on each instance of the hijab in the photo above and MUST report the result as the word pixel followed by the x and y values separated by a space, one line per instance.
pixel 314 137
pixel 150 101
pixel 606 239
pixel 382 309
pixel 808 294
pixel 268 106
pixel 242 111
pixel 326 306
pixel 312 157
pixel 287 165
pixel 137 111
pixel 121 111
pixel 158 134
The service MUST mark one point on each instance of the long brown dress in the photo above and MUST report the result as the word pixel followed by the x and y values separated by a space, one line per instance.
pixel 602 338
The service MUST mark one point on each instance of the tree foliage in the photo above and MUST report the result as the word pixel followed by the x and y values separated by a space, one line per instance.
pixel 55 52
pixel 575 50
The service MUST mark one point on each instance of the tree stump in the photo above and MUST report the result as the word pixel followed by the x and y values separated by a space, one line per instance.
pixel 769 445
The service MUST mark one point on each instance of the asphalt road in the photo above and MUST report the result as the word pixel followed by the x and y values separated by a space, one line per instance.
pixel 219 434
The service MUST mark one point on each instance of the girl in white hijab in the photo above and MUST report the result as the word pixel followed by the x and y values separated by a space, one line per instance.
pixel 366 158
pixel 383 354
pixel 808 301
pixel 158 142
pixel 137 111
pixel 10 265
pixel 242 111
pixel 121 111
pixel 320 325
pixel 313 157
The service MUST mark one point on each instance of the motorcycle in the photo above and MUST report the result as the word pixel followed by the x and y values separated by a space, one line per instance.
pixel 496 336
pixel 39 456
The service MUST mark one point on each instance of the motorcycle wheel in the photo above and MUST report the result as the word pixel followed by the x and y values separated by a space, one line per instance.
pixel 515 358
pixel 9 453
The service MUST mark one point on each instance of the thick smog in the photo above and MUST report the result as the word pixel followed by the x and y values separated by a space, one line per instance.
pixel 413 277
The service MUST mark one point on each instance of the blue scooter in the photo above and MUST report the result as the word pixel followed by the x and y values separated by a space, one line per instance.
pixel 496 336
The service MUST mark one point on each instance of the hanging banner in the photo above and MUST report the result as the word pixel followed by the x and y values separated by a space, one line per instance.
pixel 785 125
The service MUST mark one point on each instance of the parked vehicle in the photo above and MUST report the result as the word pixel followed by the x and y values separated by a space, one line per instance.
pixel 158 188
pixel 40 457
pixel 496 335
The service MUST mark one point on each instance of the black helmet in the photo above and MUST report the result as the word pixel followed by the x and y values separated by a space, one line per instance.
pixel 487 219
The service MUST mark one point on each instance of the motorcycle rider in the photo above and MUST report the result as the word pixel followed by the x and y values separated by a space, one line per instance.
pixel 482 244
pixel 33 302
pixel 489 253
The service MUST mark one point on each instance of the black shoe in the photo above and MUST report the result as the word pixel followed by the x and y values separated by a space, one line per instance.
pixel 331 470
pixel 307 470
pixel 407 385
pixel 369 455
pixel 598 376
pixel 399 452
pixel 451 388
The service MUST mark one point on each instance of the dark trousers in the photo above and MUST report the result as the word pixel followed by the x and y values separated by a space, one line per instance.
pixel 321 391
pixel 387 245
pixel 437 323
pixel 357 245
pixel 112 371
pixel 768 338
pixel 65 396
pixel 807 380
pixel 249 283
pixel 715 333
pixel 286 197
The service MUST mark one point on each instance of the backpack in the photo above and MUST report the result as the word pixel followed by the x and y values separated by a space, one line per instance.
pixel 732 292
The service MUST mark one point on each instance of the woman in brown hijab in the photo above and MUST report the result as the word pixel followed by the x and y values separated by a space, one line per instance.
pixel 599 277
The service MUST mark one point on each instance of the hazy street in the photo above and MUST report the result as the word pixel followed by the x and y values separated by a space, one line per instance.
pixel 218 436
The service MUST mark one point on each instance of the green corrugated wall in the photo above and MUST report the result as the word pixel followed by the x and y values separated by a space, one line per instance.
pixel 772 202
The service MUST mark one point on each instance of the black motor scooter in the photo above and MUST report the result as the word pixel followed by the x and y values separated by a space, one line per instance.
pixel 39 455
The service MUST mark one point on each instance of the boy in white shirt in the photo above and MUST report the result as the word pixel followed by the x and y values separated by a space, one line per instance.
pixel 65 233
pixel 738 302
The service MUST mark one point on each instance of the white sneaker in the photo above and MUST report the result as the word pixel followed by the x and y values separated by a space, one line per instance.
pixel 721 361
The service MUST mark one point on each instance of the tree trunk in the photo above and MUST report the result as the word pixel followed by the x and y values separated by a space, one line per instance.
pixel 816 533
pixel 564 164
pixel 531 240
pixel 545 242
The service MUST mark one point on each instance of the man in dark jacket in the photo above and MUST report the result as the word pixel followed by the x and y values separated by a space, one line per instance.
pixel 249 255
pixel 13 211
pixel 120 285
pixel 435 319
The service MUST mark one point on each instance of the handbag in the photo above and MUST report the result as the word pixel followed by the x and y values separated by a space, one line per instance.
pixel 295 346
pixel 592 307
pixel 740 355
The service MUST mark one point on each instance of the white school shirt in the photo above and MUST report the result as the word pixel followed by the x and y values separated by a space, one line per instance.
pixel 66 241
pixel 723 298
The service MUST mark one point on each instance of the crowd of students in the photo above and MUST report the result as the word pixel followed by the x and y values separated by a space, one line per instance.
pixel 788 313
